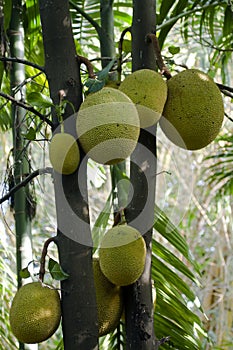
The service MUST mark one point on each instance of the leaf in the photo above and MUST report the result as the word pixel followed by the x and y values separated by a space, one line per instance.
pixel 127 46
pixel 24 273
pixel 103 74
pixel 228 22
pixel 94 85
pixel 169 231
pixel 174 49
pixel 56 271
pixel 7 8
pixel 31 134
pixel 37 99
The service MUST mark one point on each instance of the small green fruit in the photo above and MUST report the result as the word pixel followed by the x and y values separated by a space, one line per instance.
pixel 64 153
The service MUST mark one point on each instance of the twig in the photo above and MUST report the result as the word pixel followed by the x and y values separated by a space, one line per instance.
pixel 27 107
pixel 43 256
pixel 159 59
pixel 226 90
pixel 88 64
pixel 228 117
pixel 20 60
pixel 120 49
pixel 23 183
pixel 119 217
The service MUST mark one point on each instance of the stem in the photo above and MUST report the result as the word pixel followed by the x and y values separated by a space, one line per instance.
pixel 28 108
pixel 25 182
pixel 120 47
pixel 159 59
pixel 23 61
pixel 88 64
pixel 43 257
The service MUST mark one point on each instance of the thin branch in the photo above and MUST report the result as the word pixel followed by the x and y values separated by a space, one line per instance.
pixel 27 107
pixel 21 60
pixel 23 183
pixel 43 257
pixel 88 64
pixel 159 59
pixel 120 49
pixel 228 117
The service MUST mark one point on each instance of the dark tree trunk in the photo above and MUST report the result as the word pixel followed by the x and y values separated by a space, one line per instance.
pixel 79 314
pixel 140 212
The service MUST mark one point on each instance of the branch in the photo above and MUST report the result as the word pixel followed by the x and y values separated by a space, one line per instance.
pixel 159 59
pixel 43 256
pixel 120 49
pixel 226 90
pixel 28 108
pixel 88 64
pixel 21 60
pixel 25 182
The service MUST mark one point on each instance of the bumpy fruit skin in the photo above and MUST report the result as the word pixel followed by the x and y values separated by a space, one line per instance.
pixel 35 313
pixel 194 111
pixel 64 153
pixel 109 301
pixel 108 126
pixel 122 255
pixel 147 89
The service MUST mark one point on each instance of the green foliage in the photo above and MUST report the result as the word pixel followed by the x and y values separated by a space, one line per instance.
pixel 218 175
pixel 56 270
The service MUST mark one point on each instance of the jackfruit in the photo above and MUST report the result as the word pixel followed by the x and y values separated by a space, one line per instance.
pixel 64 153
pixel 147 89
pixel 194 111
pixel 108 126
pixel 109 301
pixel 35 313
pixel 122 255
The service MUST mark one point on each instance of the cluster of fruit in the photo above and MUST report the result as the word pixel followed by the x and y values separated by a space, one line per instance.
pixel 36 311
pixel 189 108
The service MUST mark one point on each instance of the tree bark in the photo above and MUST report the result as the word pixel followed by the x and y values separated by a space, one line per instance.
pixel 79 314
pixel 106 37
pixel 140 211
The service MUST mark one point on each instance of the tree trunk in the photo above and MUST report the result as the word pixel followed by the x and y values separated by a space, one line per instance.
pixel 79 314
pixel 140 212
pixel 21 163
pixel 107 43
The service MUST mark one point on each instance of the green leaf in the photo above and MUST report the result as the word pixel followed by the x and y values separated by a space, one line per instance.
pixel 7 8
pixel 173 50
pixel 37 99
pixel 31 134
pixel 94 85
pixel 170 258
pixel 168 230
pixel 24 273
pixel 103 74
pixel 56 271
pixel 101 222
pixel 228 22
pixel 127 46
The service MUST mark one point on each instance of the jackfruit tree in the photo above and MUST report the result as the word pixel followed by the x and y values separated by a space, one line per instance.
pixel 107 115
